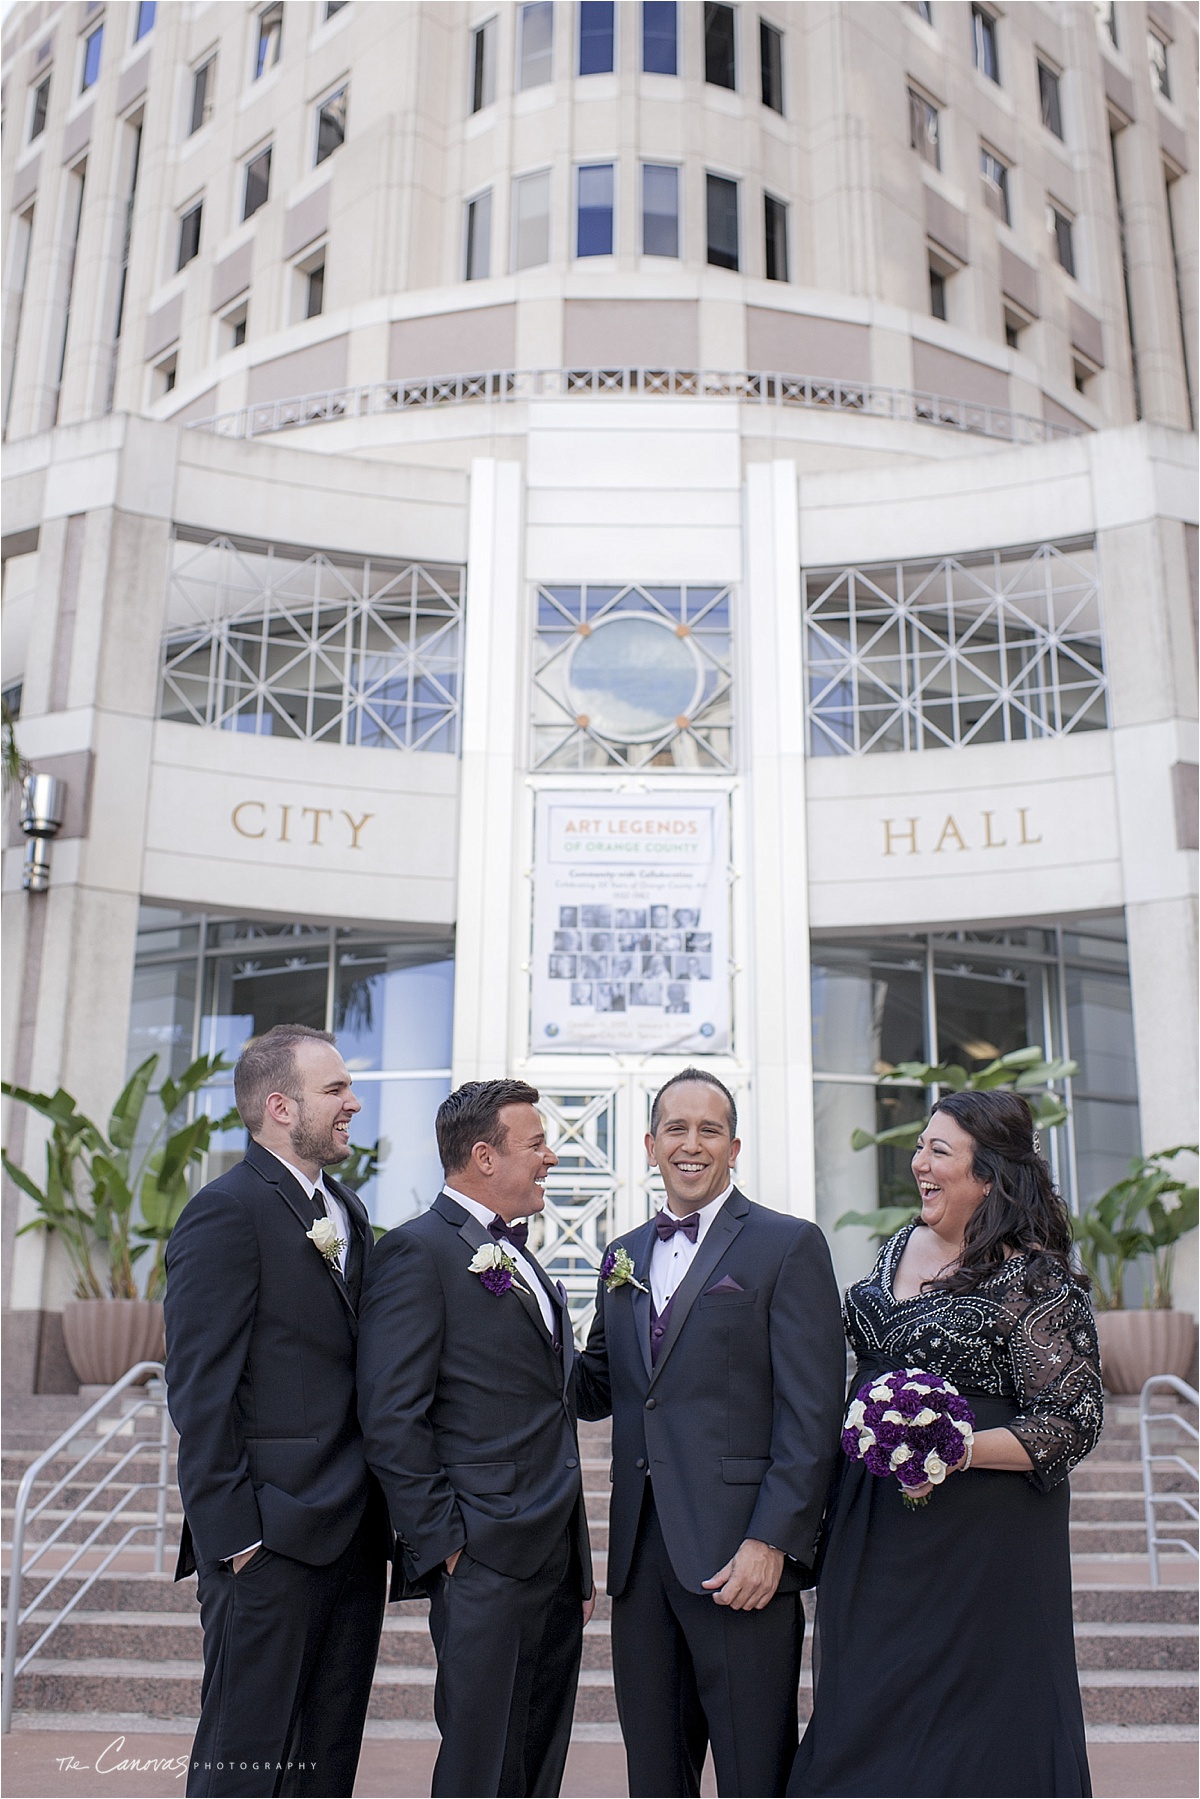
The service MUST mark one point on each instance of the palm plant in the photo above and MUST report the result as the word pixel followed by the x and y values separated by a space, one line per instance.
pixel 1143 1215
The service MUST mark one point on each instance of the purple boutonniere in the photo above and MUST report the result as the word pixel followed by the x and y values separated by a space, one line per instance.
pixel 495 1268
pixel 616 1270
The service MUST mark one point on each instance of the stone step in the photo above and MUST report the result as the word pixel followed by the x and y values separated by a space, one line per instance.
pixel 1126 1477
pixel 1101 1603
pixel 1116 1508
pixel 1121 1696
pixel 1138 1646
pixel 1116 1538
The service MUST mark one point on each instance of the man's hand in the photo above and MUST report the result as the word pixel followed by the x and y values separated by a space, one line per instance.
pixel 589 1606
pixel 748 1582
pixel 238 1562
pixel 452 1561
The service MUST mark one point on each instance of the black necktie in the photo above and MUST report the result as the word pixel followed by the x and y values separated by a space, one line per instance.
pixel 517 1234
pixel 666 1224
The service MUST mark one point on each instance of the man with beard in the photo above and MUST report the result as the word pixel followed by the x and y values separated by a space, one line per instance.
pixel 283 1522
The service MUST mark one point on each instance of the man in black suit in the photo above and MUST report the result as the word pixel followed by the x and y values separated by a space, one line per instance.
pixel 717 1348
pixel 467 1405
pixel 283 1521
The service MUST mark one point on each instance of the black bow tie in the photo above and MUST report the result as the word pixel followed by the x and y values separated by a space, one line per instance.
pixel 666 1224
pixel 517 1234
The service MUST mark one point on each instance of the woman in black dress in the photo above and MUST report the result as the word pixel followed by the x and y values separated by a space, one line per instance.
pixel 945 1656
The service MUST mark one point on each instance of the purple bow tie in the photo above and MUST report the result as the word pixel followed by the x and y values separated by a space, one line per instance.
pixel 666 1224
pixel 517 1234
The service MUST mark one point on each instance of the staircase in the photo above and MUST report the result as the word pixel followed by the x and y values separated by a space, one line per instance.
pixel 130 1657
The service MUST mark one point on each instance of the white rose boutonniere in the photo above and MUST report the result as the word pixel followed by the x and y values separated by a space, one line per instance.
pixel 324 1237
pixel 495 1268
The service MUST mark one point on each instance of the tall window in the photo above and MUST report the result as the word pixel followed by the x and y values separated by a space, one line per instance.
pixel 594 210
pixel 18 253
pixel 660 209
pixel 1062 232
pixel 531 220
pixel 39 108
pixel 203 84
pixel 1050 96
pixel 923 10
pixel 1160 69
pixel 775 219
pixel 270 39
pixel 995 182
pixel 660 27
pixel 331 124
pixel 983 40
pixel 937 293
pixel 596 27
pixel 770 57
pixel 145 19
pixel 923 132
pixel 535 52
pixel 189 235
pixel 478 247
pixel 76 190
pixel 258 183
pixel 92 50
pixel 720 69
pixel 483 65
pixel 721 201
pixel 314 289
pixel 1106 21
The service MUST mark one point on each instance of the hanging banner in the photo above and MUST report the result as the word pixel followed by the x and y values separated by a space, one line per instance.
pixel 631 924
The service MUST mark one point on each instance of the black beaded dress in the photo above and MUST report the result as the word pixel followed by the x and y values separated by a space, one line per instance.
pixel 944 1652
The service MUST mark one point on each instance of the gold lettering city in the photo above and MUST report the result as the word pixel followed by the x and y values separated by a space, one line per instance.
pixel 901 836
pixel 257 819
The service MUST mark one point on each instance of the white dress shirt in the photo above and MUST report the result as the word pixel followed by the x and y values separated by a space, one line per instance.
pixel 485 1214
pixel 334 1209
pixel 670 1261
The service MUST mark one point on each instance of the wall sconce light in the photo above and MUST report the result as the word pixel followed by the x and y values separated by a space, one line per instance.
pixel 43 799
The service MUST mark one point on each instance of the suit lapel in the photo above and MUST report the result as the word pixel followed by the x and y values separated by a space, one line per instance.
pixel 720 1234
pixel 476 1234
pixel 305 1209
pixel 567 1333
pixel 643 1249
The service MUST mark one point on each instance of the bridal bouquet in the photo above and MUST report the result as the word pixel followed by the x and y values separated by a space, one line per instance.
pixel 910 1424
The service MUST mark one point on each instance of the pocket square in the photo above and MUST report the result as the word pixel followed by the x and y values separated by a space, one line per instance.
pixel 726 1284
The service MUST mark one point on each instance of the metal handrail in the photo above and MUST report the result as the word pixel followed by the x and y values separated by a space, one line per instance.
pixel 765 388
pixel 153 1399
pixel 1151 1460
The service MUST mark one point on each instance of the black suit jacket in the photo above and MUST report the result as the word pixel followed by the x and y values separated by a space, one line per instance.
pixel 467 1409
pixel 737 1425
pixel 260 1370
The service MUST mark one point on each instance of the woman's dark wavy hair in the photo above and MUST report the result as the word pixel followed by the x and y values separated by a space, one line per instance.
pixel 1023 1210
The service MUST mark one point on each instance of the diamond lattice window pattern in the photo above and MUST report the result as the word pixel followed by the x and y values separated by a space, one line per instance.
pixel 278 640
pixel 996 647
pixel 633 677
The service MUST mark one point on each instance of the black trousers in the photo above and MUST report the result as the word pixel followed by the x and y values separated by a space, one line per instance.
pixel 289 1652
pixel 508 1664
pixel 689 1672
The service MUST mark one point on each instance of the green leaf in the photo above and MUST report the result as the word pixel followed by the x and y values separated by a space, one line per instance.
pixel 126 1114
pixel 111 1182
pixel 20 1179
pixel 883 1223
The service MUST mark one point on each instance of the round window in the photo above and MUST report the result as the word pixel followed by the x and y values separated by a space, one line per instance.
pixel 631 678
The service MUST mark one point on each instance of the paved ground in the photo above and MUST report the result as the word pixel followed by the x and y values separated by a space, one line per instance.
pixel 83 1764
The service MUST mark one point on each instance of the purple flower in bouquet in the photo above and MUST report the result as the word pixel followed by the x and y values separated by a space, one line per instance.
pixel 910 1424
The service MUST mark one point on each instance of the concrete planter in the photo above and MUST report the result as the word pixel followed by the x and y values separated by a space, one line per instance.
pixel 1136 1344
pixel 105 1338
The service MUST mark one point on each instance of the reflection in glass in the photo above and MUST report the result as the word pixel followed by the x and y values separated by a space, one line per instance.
pixel 633 678
pixel 985 1010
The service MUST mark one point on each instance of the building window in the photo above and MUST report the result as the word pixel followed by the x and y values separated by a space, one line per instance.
pixel 483 65
pixel 660 209
pixel 531 220
pixel 1012 331
pixel 983 41
pixel 165 374
pixel 203 83
pixel 720 68
pixel 1160 71
pixel 596 28
pixel 721 203
pixel 93 46
pixel 660 29
pixel 995 183
pixel 1062 229
pixel 40 107
pixel 233 327
pixel 775 220
pixel 923 132
pixel 1106 21
pixel 258 183
pixel 189 235
pixel 331 124
pixel 204 984
pixel 594 210
pixel 967 996
pixel 314 289
pixel 923 10
pixel 770 56
pixel 1050 95
pixel 633 677
pixel 1001 646
pixel 280 641
pixel 937 292
pixel 535 55
pixel 478 250
pixel 333 6
pixel 145 19
pixel 270 39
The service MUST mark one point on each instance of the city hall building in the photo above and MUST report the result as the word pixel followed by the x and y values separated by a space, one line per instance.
pixel 568 540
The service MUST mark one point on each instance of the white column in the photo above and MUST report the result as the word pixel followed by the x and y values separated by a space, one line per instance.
pixel 772 704
pixel 493 716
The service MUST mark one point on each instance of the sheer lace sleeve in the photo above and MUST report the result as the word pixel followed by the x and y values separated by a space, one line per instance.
pixel 1055 1363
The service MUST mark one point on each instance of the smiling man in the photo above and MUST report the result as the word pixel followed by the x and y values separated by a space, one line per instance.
pixel 466 1382
pixel 717 1349
pixel 282 1520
